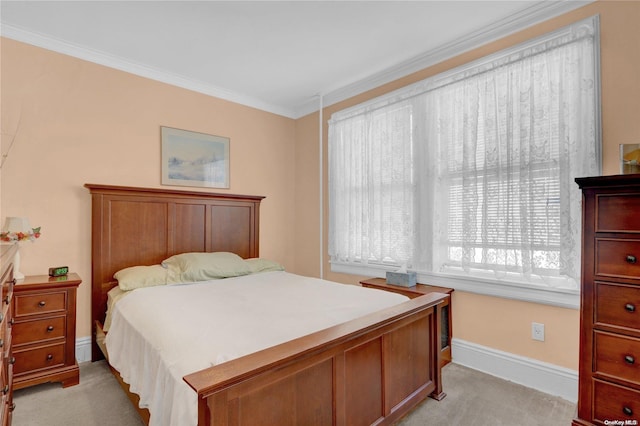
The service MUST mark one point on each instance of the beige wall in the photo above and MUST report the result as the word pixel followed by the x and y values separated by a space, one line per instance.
pixel 494 322
pixel 76 122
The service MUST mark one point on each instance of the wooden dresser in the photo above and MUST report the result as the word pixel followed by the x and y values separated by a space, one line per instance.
pixel 7 254
pixel 609 369
pixel 44 333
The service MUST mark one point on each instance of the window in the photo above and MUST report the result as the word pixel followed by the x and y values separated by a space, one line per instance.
pixel 468 177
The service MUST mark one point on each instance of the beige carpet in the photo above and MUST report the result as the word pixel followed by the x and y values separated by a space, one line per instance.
pixel 478 399
pixel 473 398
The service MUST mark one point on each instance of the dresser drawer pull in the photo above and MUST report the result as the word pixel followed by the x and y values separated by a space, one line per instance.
pixel 42 303
pixel 6 389
pixel 631 258
pixel 1 316
pixel 13 407
pixel 629 359
pixel 50 329
pixel 6 300
pixel 12 360
pixel 49 357
pixel 627 411
pixel 630 307
pixel 1 343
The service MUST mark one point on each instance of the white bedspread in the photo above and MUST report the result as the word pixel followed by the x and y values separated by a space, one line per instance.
pixel 155 338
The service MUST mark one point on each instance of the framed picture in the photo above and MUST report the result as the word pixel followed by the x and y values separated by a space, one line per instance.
pixel 629 158
pixel 194 159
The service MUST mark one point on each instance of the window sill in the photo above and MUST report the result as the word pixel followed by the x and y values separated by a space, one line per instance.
pixel 543 295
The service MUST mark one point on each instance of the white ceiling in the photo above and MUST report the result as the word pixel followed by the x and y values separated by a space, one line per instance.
pixel 274 55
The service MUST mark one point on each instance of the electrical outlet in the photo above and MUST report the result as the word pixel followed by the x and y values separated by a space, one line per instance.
pixel 537 331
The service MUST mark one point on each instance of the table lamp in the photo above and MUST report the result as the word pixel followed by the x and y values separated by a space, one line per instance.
pixel 15 230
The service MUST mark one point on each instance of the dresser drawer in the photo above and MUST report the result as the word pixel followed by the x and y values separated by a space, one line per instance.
pixel 617 305
pixel 613 402
pixel 618 258
pixel 617 356
pixel 618 212
pixel 39 358
pixel 43 303
pixel 39 330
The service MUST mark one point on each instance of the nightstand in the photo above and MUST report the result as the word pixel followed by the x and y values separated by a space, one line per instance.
pixel 416 291
pixel 44 332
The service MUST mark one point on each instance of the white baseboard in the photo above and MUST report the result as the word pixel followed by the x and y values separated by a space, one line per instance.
pixel 83 349
pixel 542 376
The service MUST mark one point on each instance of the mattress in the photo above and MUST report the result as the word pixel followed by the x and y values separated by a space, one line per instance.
pixel 160 334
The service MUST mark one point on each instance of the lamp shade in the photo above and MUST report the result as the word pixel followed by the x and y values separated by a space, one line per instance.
pixel 18 228
pixel 16 224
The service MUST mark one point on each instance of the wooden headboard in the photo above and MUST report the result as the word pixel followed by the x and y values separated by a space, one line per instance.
pixel 144 226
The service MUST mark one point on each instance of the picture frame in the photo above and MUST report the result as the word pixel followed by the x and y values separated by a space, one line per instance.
pixel 630 158
pixel 194 159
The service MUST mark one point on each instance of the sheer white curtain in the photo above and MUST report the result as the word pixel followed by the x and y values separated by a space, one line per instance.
pixel 472 172
pixel 371 162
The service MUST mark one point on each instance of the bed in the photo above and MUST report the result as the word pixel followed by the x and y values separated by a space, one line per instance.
pixel 371 369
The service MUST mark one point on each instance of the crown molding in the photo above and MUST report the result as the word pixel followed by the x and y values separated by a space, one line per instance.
pixel 516 22
pixel 50 43
pixel 526 18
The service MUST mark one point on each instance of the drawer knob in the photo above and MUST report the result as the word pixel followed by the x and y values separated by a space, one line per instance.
pixel 631 259
pixel 12 360
pixel 1 343
pixel 1 316
pixel 49 357
pixel 630 307
pixel 50 329
pixel 6 389
pixel 42 303
pixel 6 300
pixel 13 407
pixel 627 411
pixel 12 321
pixel 629 359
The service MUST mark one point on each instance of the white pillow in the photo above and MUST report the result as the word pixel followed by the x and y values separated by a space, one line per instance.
pixel 206 266
pixel 258 264
pixel 142 276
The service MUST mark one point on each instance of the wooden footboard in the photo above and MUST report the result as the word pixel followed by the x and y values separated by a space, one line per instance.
pixel 372 370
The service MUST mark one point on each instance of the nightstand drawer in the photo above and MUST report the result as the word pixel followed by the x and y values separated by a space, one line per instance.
pixel 39 358
pixel 43 303
pixel 614 402
pixel 617 356
pixel 39 330
pixel 617 305
pixel 618 258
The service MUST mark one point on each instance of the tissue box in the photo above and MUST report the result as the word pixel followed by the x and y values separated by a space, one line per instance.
pixel 404 279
